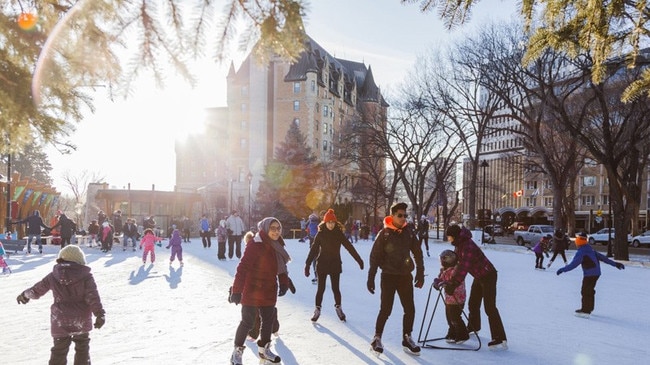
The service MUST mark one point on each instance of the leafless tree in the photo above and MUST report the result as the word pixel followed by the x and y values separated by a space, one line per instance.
pixel 78 186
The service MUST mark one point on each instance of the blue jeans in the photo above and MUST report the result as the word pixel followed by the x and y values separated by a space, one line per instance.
pixel 133 240
pixel 38 242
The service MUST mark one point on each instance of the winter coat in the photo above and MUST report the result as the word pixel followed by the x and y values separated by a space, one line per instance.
pixel 130 230
pixel 326 250
pixel 423 228
pixel 75 298
pixel 257 273
pixel 68 227
pixel 312 226
pixel 471 259
pixel 541 246
pixel 93 228
pixel 222 233
pixel 176 239
pixel 34 224
pixel 117 221
pixel 149 223
pixel 460 294
pixel 204 225
pixel 392 251
pixel 149 241
pixel 235 225
pixel 560 243
pixel 590 261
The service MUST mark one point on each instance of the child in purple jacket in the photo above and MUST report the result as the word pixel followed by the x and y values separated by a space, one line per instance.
pixel 75 300
pixel 175 243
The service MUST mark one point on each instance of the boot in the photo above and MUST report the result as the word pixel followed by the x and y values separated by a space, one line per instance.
pixel 236 357
pixel 266 354
pixel 376 345
pixel 409 345
pixel 339 312
pixel 549 264
pixel 316 315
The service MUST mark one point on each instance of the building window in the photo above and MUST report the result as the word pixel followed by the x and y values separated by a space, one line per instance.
pixel 296 121
pixel 531 185
pixel 324 128
pixel 531 202
pixel 296 105
pixel 548 202
pixel 590 162
pixel 605 199
pixel 243 107
pixel 588 200
pixel 317 108
pixel 242 125
pixel 548 184
pixel 296 87
pixel 316 124
pixel 313 85
pixel 588 181
pixel 324 145
pixel 325 111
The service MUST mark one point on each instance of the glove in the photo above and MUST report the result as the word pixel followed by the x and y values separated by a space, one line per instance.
pixel 371 285
pixel 22 299
pixel 283 289
pixel 419 279
pixel 234 297
pixel 99 322
pixel 360 262
pixel 620 266
pixel 307 270
pixel 449 289
pixel 292 288
pixel 438 283
pixel 559 271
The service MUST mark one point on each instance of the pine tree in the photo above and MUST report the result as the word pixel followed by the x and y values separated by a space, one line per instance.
pixel 290 185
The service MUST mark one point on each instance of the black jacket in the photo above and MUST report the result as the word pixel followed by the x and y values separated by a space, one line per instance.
pixel 392 252
pixel 34 224
pixel 326 250
pixel 68 227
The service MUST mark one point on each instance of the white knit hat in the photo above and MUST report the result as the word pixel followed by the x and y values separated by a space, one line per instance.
pixel 72 253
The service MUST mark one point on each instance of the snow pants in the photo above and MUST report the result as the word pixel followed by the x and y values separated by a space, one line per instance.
pixel 59 352
pixel 588 292
pixel 249 315
pixel 485 290
pixel 403 285
pixel 147 250
pixel 176 251
pixel 457 328
pixel 221 250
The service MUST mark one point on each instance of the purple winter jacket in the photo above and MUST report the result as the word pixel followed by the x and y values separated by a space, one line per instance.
pixel 75 298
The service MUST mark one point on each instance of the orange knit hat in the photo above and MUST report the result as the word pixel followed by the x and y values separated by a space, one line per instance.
pixel 581 239
pixel 329 216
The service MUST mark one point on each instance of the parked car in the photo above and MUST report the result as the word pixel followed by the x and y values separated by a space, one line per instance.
pixel 641 240
pixel 602 236
pixel 516 226
pixel 494 229
pixel 533 234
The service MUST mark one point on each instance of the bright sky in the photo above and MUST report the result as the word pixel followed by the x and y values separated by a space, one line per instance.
pixel 132 141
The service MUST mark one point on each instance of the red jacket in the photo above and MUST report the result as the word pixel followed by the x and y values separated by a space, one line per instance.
pixel 257 273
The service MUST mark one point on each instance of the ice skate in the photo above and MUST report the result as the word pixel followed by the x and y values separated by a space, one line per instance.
pixel 314 281
pixel 549 264
pixel 339 312
pixel 498 345
pixel 409 346
pixel 237 354
pixel 316 315
pixel 266 356
pixel 376 346
pixel 582 314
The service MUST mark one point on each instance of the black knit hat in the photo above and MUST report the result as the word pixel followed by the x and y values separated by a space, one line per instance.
pixel 453 230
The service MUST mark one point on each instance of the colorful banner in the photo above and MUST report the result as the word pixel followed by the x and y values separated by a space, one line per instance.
pixel 48 200
pixel 17 191
pixel 43 197
pixel 28 193
pixel 36 195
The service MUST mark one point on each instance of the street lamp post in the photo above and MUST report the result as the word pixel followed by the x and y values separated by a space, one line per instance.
pixel 250 187
pixel 484 166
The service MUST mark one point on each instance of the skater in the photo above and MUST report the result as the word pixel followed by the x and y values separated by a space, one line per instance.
pixel 235 227
pixel 326 252
pixel 76 299
pixel 559 246
pixel 129 232
pixel 68 228
pixel 423 232
pixel 541 249
pixel 391 252
pixel 472 260
pixel 312 230
pixel 176 245
pixel 205 231
pixel 263 265
pixel 590 262
pixel 454 302
pixel 149 242
pixel 106 236
pixel 186 229
pixel 34 224
pixel 93 232
pixel 222 236
pixel 3 264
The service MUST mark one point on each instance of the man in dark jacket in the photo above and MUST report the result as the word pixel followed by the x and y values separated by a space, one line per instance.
pixel 75 300
pixel 129 231
pixel 392 252
pixel 34 224
pixel 68 228
pixel 471 260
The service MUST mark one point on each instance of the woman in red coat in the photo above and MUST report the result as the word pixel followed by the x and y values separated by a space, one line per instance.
pixel 262 266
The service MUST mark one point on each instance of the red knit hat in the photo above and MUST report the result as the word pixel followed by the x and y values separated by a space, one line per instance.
pixel 329 216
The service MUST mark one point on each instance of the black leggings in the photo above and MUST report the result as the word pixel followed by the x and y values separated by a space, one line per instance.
pixel 485 290
pixel 335 278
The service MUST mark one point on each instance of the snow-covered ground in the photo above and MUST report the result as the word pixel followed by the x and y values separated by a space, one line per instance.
pixel 161 314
